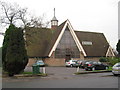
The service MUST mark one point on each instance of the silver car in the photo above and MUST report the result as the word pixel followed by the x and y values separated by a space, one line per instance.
pixel 116 69
pixel 70 63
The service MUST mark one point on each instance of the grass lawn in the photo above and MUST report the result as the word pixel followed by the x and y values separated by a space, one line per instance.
pixel 31 73
pixel 110 68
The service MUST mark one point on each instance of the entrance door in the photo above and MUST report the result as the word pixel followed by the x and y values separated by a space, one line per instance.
pixel 68 57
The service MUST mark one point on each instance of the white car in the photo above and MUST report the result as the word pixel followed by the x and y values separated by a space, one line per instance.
pixel 70 63
pixel 116 69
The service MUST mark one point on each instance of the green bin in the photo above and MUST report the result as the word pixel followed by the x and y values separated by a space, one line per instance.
pixel 36 69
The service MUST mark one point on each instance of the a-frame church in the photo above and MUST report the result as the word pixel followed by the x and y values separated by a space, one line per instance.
pixel 61 42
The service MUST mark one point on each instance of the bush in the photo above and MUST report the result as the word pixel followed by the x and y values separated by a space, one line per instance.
pixel 113 60
pixel 110 60
pixel 103 59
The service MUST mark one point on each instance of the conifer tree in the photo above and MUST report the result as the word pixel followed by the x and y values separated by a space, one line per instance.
pixel 15 53
pixel 5 44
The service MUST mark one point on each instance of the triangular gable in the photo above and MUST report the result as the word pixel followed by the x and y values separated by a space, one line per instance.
pixel 110 52
pixel 67 23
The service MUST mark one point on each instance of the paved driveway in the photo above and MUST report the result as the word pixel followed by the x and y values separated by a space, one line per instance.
pixel 66 72
pixel 58 71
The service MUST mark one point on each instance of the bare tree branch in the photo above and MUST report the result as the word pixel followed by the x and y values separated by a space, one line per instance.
pixel 12 14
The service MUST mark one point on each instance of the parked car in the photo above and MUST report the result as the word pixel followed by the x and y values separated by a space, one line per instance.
pixel 40 63
pixel 93 65
pixel 78 63
pixel 116 69
pixel 82 65
pixel 70 63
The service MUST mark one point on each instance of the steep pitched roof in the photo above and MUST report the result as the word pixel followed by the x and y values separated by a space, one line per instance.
pixel 41 41
pixel 37 41
pixel 55 36
pixel 99 44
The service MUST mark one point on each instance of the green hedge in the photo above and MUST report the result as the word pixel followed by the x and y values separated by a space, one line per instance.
pixel 110 60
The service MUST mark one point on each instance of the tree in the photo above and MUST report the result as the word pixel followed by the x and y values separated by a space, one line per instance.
pixel 37 22
pixel 15 53
pixel 13 14
pixel 118 47
pixel 10 13
pixel 5 45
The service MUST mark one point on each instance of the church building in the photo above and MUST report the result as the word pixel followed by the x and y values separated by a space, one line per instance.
pixel 61 42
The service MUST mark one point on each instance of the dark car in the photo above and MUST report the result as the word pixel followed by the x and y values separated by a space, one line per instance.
pixel 93 65
pixel 78 63
pixel 82 65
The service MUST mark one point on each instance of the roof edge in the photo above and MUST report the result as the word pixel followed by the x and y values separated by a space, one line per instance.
pixel 67 22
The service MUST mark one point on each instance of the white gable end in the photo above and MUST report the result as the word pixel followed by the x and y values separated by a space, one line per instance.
pixel 73 35
pixel 110 52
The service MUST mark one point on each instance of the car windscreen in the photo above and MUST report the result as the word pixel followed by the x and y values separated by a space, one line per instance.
pixel 40 61
pixel 117 65
pixel 74 61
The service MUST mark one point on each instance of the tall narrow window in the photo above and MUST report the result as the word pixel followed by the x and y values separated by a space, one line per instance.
pixel 67 46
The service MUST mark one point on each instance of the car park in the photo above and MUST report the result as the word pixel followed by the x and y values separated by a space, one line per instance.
pixel 40 63
pixel 94 65
pixel 71 63
pixel 116 69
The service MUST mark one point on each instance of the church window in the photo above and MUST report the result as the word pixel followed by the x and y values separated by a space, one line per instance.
pixel 67 46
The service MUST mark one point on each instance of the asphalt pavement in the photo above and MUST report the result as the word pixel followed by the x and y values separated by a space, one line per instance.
pixel 63 77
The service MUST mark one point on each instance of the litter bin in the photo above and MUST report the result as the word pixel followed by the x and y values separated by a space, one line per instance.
pixel 36 69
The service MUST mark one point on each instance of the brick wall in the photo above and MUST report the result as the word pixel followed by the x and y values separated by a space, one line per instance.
pixel 54 62
pixel 31 61
pixel 81 56
pixel 58 62
pixel 92 58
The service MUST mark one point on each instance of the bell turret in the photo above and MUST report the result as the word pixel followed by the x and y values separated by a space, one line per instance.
pixel 54 21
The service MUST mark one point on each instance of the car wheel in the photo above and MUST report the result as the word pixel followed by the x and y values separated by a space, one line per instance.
pixel 93 69
pixel 115 74
pixel 71 65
